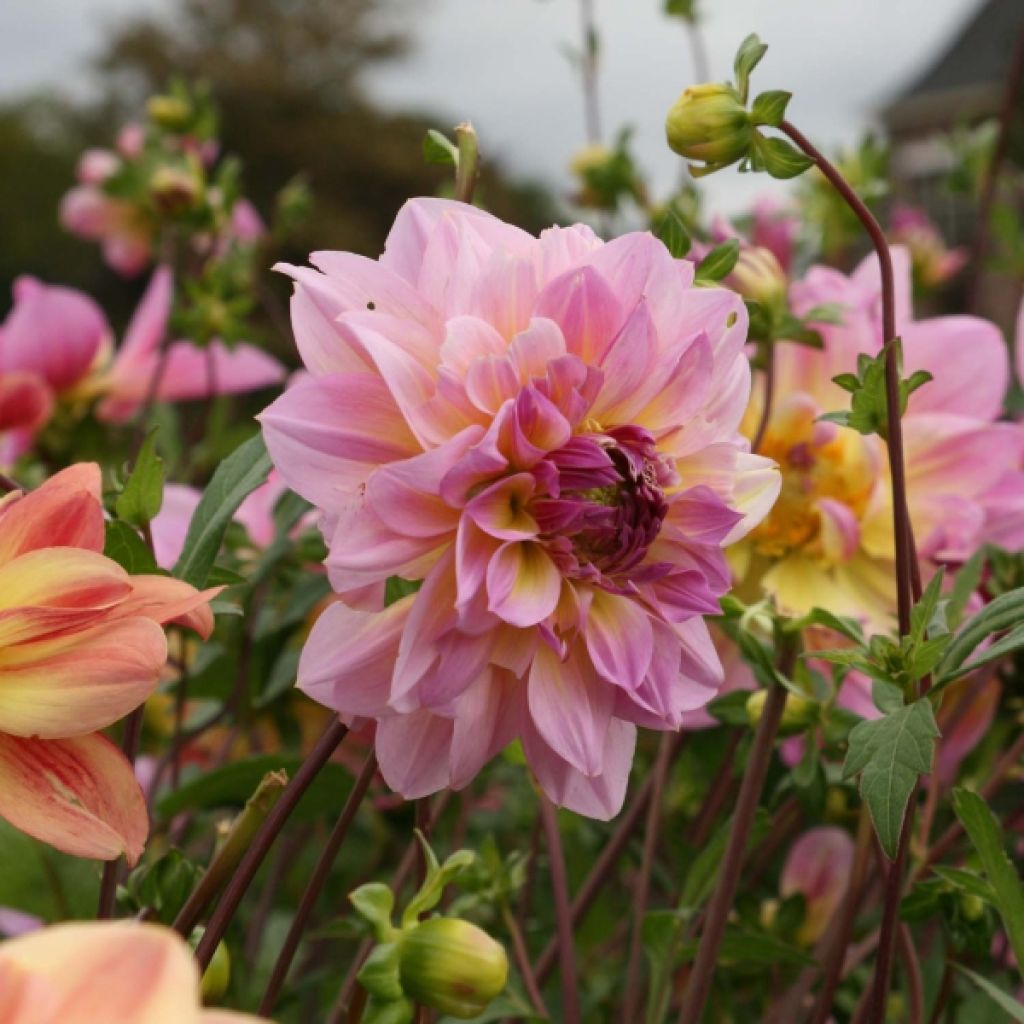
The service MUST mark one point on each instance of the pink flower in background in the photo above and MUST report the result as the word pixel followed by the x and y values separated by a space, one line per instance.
pixel 828 541
pixel 56 333
pixel 818 867
pixel 775 226
pixel 543 431
pixel 170 526
pixel 25 406
pixel 933 263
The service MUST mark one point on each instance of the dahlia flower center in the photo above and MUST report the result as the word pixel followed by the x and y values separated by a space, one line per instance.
pixel 828 475
pixel 606 505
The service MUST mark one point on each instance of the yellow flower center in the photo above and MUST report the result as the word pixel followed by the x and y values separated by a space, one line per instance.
pixel 817 461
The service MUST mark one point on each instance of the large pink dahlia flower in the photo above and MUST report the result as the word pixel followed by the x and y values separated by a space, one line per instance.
pixel 544 432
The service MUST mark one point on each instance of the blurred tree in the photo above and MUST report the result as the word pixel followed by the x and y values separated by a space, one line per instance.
pixel 286 76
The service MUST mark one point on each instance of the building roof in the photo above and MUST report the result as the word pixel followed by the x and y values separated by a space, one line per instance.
pixel 965 81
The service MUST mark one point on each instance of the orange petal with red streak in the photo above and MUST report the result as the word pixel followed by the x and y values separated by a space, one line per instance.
pixel 79 795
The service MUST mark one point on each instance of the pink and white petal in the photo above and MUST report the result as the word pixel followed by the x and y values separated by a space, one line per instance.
pixel 466 339
pixel 523 583
pixel 571 708
pixel 349 658
pixel 599 796
pixel 840 530
pixel 501 509
pixel 327 434
pixel 620 638
pixel 505 291
pixel 420 219
pixel 586 309
pixel 79 795
pixel 968 361
pixel 535 347
pixel 75 684
pixel 165 600
pixel 486 721
pixel 413 751
pixel 628 363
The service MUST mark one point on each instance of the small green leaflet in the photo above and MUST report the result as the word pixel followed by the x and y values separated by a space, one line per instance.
pixel 143 494
pixel 719 262
pixel 868 412
pixel 128 549
pixel 748 56
pixel 891 752
pixel 672 231
pixel 438 149
pixel 236 477
pixel 987 837
pixel 770 107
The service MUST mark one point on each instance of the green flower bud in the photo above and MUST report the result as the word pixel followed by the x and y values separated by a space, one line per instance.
pixel 217 976
pixel 797 713
pixel 452 966
pixel 169 112
pixel 709 123
pixel 972 906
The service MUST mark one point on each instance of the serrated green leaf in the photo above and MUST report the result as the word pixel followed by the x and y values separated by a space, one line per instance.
pixel 719 262
pixel 672 231
pixel 122 544
pixel 769 108
pixel 987 838
pixel 1002 999
pixel 237 476
pixel 887 696
pixel 143 494
pixel 890 753
pixel 438 149
pixel 847 381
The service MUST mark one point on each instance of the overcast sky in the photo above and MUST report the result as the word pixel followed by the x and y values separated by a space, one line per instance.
pixel 501 64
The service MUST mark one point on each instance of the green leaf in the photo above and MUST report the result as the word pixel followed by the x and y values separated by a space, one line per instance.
pixel 128 549
pixel 236 477
pixel 438 149
pixel 375 901
pixel 672 231
pixel 987 838
pixel 143 492
pixel 396 588
pixel 700 879
pixel 748 56
pixel 438 876
pixel 1009 644
pixel 388 1011
pixel 685 9
pixel 769 108
pixel 965 583
pixel 777 157
pixel 1002 999
pixel 719 262
pixel 891 752
pixel 1004 612
pixel 925 617
pixel 887 696
pixel 842 624
pixel 379 974
pixel 826 313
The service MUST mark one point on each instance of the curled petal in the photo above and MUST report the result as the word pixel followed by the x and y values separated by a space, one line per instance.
pixel 620 639
pixel 523 584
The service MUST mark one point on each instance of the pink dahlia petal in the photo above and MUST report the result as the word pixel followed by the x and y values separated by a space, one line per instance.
pixel 170 526
pixel 596 796
pixel 327 433
pixel 584 306
pixel 413 752
pixel 192 372
pixel 523 583
pixel 500 510
pixel 968 361
pixel 486 721
pixel 620 639
pixel 571 708
pixel 353 677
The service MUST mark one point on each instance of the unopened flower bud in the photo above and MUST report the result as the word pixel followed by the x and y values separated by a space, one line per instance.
pixel 452 966
pixel 797 713
pixel 174 190
pixel 758 275
pixel 972 906
pixel 217 976
pixel 169 112
pixel 709 123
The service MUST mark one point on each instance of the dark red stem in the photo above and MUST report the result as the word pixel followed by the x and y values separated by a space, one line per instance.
pixel 264 840
pixel 316 884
